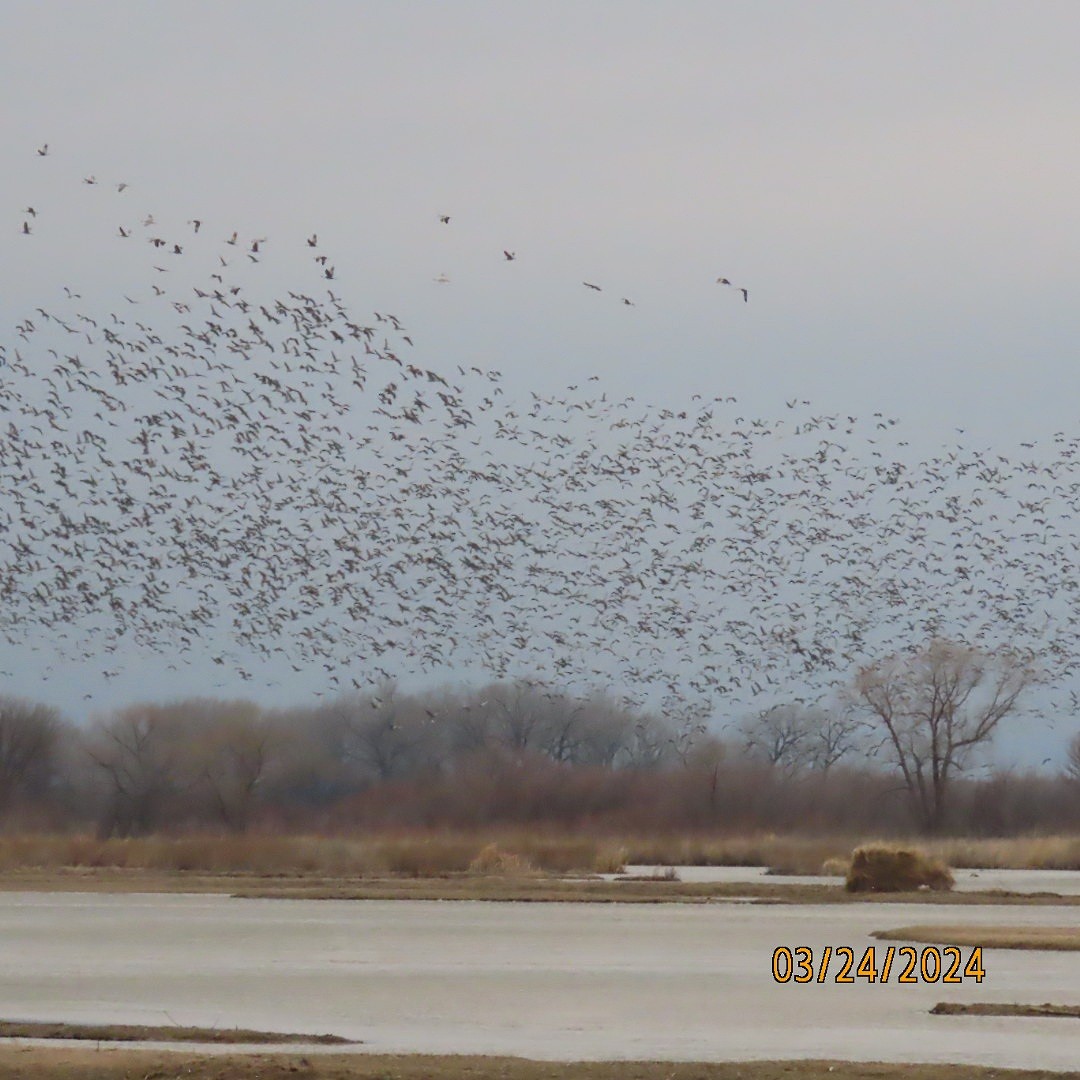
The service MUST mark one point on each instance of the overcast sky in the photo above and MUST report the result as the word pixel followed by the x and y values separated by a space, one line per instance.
pixel 894 183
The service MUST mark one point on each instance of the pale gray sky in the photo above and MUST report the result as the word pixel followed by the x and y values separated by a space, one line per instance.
pixel 895 184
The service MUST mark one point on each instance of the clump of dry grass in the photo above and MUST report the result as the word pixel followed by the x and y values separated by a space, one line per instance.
pixel 493 860
pixel 889 868
pixel 610 859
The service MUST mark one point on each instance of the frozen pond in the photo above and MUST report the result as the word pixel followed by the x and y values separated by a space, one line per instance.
pixel 560 981
pixel 1063 882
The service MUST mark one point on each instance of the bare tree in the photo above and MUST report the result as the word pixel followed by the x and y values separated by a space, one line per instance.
pixel 935 709
pixel 779 735
pixel 563 729
pixel 651 745
pixel 139 761
pixel 386 733
pixel 231 760
pixel 28 738
pixel 469 723
pixel 608 736
pixel 832 734
pixel 519 713
pixel 1072 764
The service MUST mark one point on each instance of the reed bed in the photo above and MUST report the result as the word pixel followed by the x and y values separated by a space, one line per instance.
pixel 408 855
pixel 1010 853
pixel 439 853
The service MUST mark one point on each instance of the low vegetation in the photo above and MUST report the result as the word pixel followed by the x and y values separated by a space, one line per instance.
pixel 988 1008
pixel 1058 938
pixel 889 868
pixel 33 1029
pixel 33 1063
pixel 494 851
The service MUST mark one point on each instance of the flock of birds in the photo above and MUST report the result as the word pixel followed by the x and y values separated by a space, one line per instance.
pixel 511 256
pixel 206 470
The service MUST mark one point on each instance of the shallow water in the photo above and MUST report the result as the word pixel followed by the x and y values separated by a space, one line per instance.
pixel 561 981
pixel 1062 882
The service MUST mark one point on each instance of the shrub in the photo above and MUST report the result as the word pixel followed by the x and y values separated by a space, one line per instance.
pixel 885 868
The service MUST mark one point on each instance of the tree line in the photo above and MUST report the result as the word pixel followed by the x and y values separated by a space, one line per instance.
pixel 892 753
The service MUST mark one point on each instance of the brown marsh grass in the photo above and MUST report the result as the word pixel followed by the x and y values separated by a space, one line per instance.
pixel 414 854
pixel 1056 938
pixel 1010 853
pixel 892 868
pixel 419 853
pixel 493 860
pixel 807 854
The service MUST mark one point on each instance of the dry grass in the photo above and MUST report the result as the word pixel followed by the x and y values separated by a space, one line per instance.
pixel 798 854
pixel 835 868
pixel 466 886
pixel 1059 938
pixel 434 853
pixel 493 860
pixel 781 854
pixel 34 1029
pixel 1012 853
pixel 888 868
pixel 427 854
pixel 34 1063
pixel 988 1008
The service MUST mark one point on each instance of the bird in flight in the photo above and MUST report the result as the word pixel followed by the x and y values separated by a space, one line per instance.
pixel 628 303
pixel 90 179
pixel 442 279
pixel 26 228
pixel 313 240
pixel 745 293
pixel 590 285
pixel 510 255
pixel 444 218
pixel 31 211
pixel 43 150
pixel 122 186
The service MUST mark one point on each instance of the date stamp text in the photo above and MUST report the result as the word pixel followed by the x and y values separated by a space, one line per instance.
pixel 904 964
